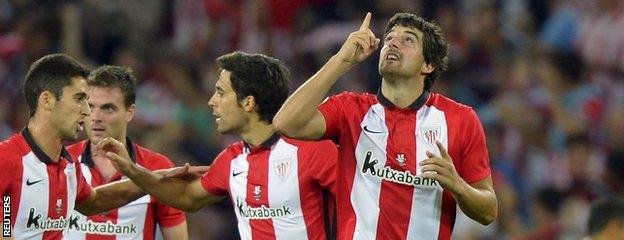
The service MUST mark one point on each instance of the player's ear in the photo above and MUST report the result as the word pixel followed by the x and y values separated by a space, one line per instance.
pixel 130 111
pixel 427 68
pixel 46 101
pixel 249 103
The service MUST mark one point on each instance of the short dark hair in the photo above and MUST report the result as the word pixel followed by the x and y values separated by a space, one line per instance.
pixel 50 73
pixel 263 77
pixel 603 212
pixel 115 76
pixel 435 48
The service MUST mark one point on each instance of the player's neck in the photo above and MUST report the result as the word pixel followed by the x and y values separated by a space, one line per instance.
pixel 257 132
pixel 102 164
pixel 45 138
pixel 402 92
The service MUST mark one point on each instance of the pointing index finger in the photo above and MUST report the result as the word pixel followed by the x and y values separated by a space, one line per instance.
pixel 366 21
pixel 443 151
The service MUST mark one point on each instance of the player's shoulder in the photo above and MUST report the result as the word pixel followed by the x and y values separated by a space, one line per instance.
pixel 310 144
pixel 231 151
pixel 355 98
pixel 12 148
pixel 447 104
pixel 150 159
pixel 76 149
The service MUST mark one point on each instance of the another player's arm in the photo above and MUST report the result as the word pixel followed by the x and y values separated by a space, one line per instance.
pixel 182 194
pixel 109 196
pixel 299 117
pixel 177 232
pixel 119 193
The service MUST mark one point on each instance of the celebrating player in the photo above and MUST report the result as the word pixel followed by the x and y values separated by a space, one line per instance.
pixel 397 180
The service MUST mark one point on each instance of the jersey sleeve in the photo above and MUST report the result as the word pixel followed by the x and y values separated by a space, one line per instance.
pixel 84 189
pixel 215 181
pixel 324 162
pixel 474 154
pixel 168 216
pixel 333 112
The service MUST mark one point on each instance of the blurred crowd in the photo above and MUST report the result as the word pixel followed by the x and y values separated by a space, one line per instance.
pixel 546 77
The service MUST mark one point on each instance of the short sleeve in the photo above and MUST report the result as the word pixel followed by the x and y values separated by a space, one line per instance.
pixel 474 155
pixel 333 112
pixel 215 181
pixel 324 162
pixel 168 216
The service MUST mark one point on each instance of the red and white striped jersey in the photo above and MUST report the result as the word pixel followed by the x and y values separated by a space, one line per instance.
pixel 276 188
pixel 42 193
pixel 136 220
pixel 380 194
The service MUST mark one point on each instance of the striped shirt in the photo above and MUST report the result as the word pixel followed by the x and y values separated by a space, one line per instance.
pixel 276 188
pixel 136 220
pixel 42 193
pixel 380 192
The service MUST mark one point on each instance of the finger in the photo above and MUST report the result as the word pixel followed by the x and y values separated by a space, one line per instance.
pixel 430 154
pixel 443 151
pixel 110 144
pixel 366 21
pixel 375 43
pixel 178 171
pixel 116 159
pixel 430 168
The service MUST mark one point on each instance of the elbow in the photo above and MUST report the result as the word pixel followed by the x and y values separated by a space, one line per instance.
pixel 190 208
pixel 280 125
pixel 489 217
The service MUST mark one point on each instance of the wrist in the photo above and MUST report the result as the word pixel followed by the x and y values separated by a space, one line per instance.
pixel 339 63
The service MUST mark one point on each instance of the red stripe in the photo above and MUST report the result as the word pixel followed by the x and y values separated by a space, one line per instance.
pixel 15 191
pixel 393 221
pixel 345 213
pixel 447 218
pixel 57 190
pixel 258 177
pixel 310 195
pixel 150 221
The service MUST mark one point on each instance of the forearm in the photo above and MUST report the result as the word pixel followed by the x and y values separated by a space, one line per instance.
pixel 171 191
pixel 111 196
pixel 301 106
pixel 478 204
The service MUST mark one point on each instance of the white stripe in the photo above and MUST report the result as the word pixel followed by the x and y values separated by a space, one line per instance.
pixel 366 189
pixel 35 197
pixel 284 191
pixel 427 201
pixel 134 213
pixel 72 191
pixel 75 234
pixel 238 191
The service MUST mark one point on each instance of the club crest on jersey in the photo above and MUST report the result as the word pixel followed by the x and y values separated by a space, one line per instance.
pixel 282 167
pixel 59 205
pixel 257 192
pixel 401 159
pixel 430 135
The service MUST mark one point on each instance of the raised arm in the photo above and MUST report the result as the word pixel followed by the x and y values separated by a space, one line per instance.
pixel 299 117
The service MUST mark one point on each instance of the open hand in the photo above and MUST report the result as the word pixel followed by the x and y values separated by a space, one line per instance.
pixel 187 172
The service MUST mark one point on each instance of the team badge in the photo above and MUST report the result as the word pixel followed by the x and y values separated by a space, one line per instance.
pixel 282 167
pixel 430 135
pixel 59 205
pixel 257 192
pixel 401 159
